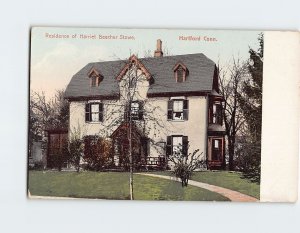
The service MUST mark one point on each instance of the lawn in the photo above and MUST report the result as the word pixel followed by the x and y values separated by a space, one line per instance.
pixel 231 180
pixel 113 185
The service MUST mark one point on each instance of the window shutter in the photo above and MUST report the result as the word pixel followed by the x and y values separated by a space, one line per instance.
pixel 169 146
pixel 101 112
pixel 185 110
pixel 87 112
pixel 141 110
pixel 170 110
pixel 185 145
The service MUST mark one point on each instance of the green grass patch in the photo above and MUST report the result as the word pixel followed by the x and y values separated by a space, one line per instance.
pixel 113 185
pixel 231 180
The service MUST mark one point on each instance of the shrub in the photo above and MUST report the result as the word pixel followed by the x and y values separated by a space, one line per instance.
pixel 185 164
pixel 75 150
pixel 97 153
pixel 248 160
pixel 183 172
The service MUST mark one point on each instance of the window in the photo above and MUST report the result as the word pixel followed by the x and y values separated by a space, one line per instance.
pixel 216 113
pixel 178 109
pixel 180 75
pixel 136 111
pixel 132 82
pixel 94 80
pixel 180 72
pixel 94 112
pixel 135 107
pixel 95 77
pixel 216 144
pixel 177 144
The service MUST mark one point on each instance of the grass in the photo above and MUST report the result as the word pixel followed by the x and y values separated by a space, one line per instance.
pixel 113 185
pixel 231 180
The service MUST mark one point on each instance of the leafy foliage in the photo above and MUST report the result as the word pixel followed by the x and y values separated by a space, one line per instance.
pixel 97 153
pixel 251 105
pixel 247 160
pixel 241 87
pixel 251 101
pixel 75 149
pixel 186 164
pixel 46 114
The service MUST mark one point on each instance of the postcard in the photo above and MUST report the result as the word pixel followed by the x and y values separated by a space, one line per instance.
pixel 162 114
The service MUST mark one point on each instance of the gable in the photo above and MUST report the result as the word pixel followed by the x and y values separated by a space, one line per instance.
pixel 133 60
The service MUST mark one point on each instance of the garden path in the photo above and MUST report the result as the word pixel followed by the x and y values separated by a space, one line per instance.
pixel 230 194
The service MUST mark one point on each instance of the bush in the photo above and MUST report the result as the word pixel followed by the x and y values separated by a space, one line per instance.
pixel 186 164
pixel 183 172
pixel 248 160
pixel 75 150
pixel 97 153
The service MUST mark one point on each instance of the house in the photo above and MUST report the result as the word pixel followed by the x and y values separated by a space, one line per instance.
pixel 173 102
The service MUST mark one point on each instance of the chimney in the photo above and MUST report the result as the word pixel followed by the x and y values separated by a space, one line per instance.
pixel 158 52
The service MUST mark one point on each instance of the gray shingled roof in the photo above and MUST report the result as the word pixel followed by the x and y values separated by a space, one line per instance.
pixel 200 78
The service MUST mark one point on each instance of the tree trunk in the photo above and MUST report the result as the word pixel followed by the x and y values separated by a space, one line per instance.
pixel 130 158
pixel 231 145
pixel 78 165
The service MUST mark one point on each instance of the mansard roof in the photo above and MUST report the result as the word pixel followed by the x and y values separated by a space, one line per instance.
pixel 202 71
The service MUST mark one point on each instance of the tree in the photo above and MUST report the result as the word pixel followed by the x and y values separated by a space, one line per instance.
pixel 231 79
pixel 47 114
pixel 34 131
pixel 251 107
pixel 251 100
pixel 52 113
pixel 185 163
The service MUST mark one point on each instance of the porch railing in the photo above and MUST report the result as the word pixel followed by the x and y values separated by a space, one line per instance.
pixel 155 161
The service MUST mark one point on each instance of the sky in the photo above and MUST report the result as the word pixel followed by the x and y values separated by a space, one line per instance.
pixel 58 53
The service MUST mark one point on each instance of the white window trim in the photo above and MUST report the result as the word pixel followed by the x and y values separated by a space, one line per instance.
pixel 180 98
pixel 96 101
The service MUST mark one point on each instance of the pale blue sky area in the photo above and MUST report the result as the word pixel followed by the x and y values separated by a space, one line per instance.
pixel 55 60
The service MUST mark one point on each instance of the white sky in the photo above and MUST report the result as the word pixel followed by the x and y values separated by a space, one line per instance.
pixel 54 61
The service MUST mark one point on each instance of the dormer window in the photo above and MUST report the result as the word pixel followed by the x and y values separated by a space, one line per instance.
pixel 94 81
pixel 95 77
pixel 180 72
